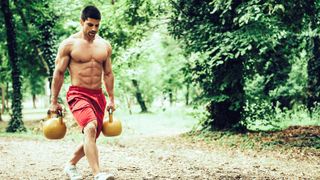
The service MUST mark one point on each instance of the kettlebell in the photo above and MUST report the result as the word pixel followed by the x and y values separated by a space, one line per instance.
pixel 111 127
pixel 54 127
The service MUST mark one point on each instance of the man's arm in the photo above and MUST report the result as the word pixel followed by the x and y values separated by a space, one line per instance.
pixel 109 78
pixel 61 64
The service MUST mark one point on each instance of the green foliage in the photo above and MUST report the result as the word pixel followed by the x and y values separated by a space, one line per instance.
pixel 240 41
pixel 35 36
pixel 126 22
pixel 202 116
pixel 4 65
pixel 156 56
pixel 251 63
pixel 16 123
pixel 261 116
pixel 295 88
pixel 265 117
pixel 207 27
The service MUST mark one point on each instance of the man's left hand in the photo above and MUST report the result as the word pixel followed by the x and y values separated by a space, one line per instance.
pixel 111 106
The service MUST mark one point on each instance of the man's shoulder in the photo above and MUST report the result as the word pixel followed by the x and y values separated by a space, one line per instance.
pixel 75 36
pixel 104 41
pixel 67 42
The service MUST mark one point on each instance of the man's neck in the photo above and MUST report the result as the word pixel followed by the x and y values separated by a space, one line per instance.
pixel 86 37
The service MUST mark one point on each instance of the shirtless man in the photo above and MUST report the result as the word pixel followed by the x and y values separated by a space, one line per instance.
pixel 87 57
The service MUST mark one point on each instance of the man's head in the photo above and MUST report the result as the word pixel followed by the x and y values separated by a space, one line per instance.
pixel 90 20
pixel 90 12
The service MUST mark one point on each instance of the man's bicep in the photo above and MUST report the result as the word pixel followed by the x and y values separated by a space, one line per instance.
pixel 107 66
pixel 62 63
pixel 62 59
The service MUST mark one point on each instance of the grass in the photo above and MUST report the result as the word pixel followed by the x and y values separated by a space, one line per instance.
pixel 293 141
pixel 177 120
pixel 288 129
pixel 30 134
pixel 158 123
pixel 283 119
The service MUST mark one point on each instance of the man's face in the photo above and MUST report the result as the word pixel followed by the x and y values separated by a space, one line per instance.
pixel 90 27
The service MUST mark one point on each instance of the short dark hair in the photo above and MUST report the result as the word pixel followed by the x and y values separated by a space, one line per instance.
pixel 90 12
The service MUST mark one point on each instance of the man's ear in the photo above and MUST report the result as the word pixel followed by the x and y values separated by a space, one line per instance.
pixel 81 22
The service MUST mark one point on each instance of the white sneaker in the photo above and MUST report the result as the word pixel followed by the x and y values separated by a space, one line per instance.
pixel 72 172
pixel 104 176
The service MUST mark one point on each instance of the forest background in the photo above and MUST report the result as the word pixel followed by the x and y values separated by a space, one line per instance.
pixel 237 66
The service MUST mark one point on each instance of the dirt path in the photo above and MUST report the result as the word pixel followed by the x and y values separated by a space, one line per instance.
pixel 150 149
pixel 143 157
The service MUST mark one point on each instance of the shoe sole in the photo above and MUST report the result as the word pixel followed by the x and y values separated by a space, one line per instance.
pixel 108 178
pixel 77 178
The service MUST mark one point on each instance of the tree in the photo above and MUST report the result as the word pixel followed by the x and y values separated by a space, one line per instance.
pixel 16 123
pixel 38 21
pixel 312 10
pixel 4 76
pixel 139 96
pixel 208 28
pixel 132 21
pixel 235 42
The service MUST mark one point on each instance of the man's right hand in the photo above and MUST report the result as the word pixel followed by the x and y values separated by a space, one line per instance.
pixel 55 107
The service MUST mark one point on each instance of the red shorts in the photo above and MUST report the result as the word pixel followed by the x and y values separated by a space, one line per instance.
pixel 87 105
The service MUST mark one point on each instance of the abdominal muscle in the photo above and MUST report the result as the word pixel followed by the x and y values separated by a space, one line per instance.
pixel 86 74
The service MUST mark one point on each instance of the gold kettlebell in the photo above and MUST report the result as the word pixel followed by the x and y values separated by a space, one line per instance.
pixel 54 127
pixel 111 127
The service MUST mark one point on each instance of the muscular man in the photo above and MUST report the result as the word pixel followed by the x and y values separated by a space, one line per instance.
pixel 87 57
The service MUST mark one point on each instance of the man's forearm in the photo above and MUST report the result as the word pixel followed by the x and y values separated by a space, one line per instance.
pixel 57 82
pixel 109 83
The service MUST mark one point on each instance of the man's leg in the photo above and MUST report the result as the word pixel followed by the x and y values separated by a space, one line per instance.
pixel 90 147
pixel 78 154
pixel 70 168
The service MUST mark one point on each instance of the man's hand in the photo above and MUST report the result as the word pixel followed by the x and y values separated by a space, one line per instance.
pixel 111 106
pixel 55 107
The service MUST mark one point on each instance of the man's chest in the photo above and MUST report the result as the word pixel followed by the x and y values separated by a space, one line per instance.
pixel 84 52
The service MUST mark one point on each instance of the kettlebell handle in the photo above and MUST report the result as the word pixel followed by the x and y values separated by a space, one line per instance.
pixel 110 115
pixel 58 112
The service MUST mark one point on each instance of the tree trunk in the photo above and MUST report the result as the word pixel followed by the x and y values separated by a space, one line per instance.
pixel 34 98
pixel 139 96
pixel 47 47
pixel 2 102
pixel 187 94
pixel 227 114
pixel 128 104
pixel 314 75
pixel 170 97
pixel 278 72
pixel 313 67
pixel 7 98
pixel 3 91
pixel 16 123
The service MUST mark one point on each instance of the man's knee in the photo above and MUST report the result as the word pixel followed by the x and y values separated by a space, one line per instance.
pixel 91 129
